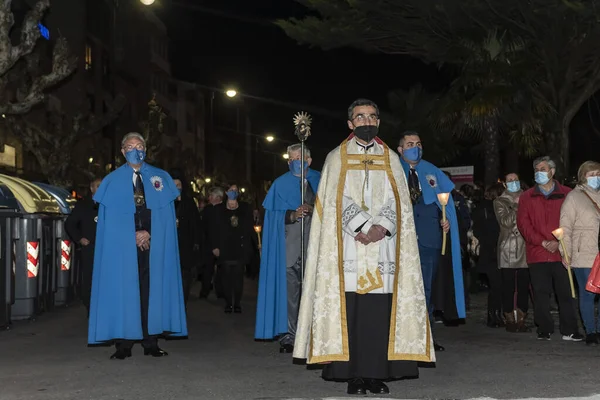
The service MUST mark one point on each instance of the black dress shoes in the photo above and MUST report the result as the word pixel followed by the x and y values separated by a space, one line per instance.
pixel 237 310
pixel 155 352
pixel 357 386
pixel 121 354
pixel 377 387
pixel 228 309
pixel 286 348
pixel 438 347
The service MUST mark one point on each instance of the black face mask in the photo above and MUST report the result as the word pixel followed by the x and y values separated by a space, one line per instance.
pixel 366 132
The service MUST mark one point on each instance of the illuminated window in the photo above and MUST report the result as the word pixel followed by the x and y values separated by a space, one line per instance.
pixel 88 57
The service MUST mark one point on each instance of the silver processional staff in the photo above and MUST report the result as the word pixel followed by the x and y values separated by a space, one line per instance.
pixel 302 121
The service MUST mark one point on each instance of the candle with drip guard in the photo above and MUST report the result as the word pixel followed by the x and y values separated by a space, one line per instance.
pixel 443 199
pixel 258 229
pixel 559 234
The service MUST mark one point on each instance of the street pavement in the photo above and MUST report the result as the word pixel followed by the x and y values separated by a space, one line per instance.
pixel 48 359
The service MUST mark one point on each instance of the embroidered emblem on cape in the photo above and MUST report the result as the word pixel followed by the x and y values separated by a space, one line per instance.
pixel 431 180
pixel 157 183
pixel 234 221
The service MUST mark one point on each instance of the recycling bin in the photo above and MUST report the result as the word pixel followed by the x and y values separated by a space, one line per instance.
pixel 32 248
pixel 9 216
pixel 64 263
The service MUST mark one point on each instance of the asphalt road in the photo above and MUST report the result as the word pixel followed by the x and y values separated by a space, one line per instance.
pixel 48 359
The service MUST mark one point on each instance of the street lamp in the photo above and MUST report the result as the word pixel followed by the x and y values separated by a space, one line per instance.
pixel 286 156
pixel 91 160
pixel 243 190
pixel 147 2
pixel 270 138
pixel 231 93
pixel 207 180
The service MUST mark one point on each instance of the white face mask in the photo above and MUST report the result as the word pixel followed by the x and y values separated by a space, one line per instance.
pixel 594 182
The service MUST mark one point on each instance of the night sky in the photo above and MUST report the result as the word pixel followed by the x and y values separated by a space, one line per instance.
pixel 246 51
pixel 233 43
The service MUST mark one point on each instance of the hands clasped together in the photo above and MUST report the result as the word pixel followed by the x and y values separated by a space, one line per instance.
pixel 142 240
pixel 375 234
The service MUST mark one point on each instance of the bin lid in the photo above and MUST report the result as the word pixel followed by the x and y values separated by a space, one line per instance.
pixel 7 199
pixel 62 196
pixel 31 198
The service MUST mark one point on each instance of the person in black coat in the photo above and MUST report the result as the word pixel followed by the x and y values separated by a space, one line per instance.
pixel 188 233
pixel 81 227
pixel 233 228
pixel 487 231
pixel 215 199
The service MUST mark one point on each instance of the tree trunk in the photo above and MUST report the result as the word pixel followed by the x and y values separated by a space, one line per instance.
pixel 565 149
pixel 491 150
pixel 511 159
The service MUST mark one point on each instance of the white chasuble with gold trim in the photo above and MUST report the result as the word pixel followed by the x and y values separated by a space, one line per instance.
pixel 361 187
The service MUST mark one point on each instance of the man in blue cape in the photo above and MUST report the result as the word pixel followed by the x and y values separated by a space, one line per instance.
pixel 425 182
pixel 136 288
pixel 280 280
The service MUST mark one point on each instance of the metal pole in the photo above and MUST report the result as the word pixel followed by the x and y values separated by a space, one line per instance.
pixel 302 122
pixel 248 149
pixel 112 70
pixel 302 190
pixel 211 137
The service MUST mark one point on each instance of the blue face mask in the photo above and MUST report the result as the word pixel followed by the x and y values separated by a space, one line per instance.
pixel 232 194
pixel 135 156
pixel 541 177
pixel 513 187
pixel 413 154
pixel 295 167
pixel 594 182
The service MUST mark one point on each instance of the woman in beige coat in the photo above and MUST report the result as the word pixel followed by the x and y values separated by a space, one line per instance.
pixel 511 257
pixel 580 220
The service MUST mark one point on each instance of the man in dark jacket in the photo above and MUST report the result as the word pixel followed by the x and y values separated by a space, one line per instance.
pixel 188 232
pixel 81 227
pixel 215 198
pixel 537 217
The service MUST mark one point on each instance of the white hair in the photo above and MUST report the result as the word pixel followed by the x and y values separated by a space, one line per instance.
pixel 132 135
pixel 217 192
pixel 547 159
pixel 298 147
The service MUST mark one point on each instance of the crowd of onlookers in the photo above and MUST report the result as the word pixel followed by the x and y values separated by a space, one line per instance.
pixel 510 251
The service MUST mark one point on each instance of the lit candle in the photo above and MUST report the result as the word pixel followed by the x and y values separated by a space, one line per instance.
pixel 559 234
pixel 258 229
pixel 443 199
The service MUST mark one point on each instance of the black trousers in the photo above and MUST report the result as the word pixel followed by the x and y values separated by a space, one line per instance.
pixel 86 264
pixel 515 289
pixel 495 292
pixel 187 279
pixel 543 276
pixel 368 338
pixel 232 275
pixel 208 276
pixel 144 278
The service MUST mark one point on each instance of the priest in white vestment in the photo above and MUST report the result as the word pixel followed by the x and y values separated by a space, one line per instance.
pixel 363 311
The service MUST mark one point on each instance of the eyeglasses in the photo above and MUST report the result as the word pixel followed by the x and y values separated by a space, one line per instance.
pixel 363 118
pixel 139 146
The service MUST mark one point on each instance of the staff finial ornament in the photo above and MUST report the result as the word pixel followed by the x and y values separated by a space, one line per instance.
pixel 302 121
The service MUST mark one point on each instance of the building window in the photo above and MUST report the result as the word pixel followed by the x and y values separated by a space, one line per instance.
pixel 88 57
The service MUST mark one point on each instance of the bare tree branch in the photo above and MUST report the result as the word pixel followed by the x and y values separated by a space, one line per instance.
pixel 62 63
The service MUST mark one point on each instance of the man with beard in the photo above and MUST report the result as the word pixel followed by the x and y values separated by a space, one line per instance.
pixel 81 227
pixel 442 276
pixel 363 310
pixel 188 232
